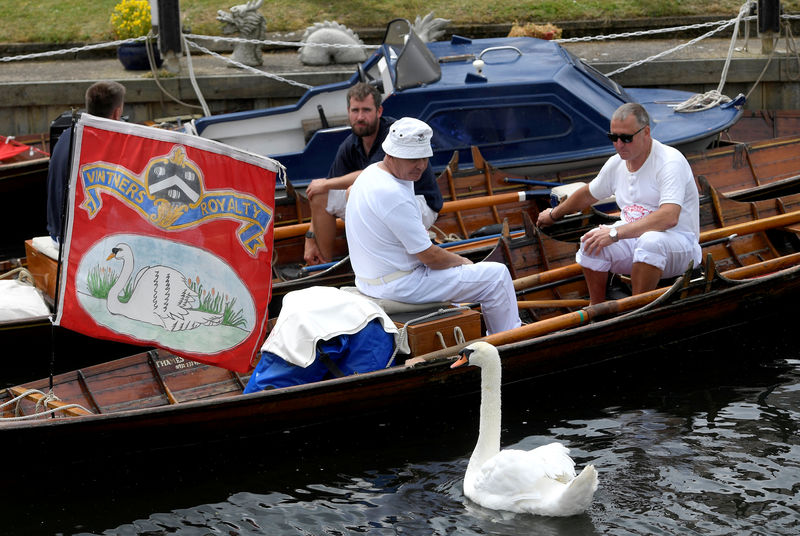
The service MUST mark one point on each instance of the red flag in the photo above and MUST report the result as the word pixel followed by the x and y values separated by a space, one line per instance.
pixel 168 242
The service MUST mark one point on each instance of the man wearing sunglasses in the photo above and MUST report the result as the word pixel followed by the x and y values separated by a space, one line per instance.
pixel 659 230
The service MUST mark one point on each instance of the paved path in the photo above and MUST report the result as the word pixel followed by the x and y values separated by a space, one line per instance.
pixel 618 51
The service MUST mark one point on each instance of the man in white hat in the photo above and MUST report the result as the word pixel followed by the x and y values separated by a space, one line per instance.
pixel 390 250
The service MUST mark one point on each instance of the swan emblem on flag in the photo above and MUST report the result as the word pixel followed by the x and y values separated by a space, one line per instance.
pixel 160 295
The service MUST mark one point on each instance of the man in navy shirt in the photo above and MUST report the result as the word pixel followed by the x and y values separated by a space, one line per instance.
pixel 328 197
pixel 103 99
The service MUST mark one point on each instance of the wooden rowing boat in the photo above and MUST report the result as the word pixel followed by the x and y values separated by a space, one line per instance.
pixel 755 125
pixel 472 203
pixel 752 269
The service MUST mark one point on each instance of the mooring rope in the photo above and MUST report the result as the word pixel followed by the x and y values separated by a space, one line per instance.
pixel 46 399
pixel 403 332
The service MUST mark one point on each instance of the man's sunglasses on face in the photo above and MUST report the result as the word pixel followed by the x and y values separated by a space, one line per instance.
pixel 626 138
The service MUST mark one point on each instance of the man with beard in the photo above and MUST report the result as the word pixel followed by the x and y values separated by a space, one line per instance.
pixel 328 197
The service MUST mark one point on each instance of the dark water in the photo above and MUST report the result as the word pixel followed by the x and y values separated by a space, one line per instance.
pixel 697 438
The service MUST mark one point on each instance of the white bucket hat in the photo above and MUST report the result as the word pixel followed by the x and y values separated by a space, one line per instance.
pixel 409 139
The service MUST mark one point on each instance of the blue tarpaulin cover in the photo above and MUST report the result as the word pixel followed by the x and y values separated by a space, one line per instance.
pixel 364 351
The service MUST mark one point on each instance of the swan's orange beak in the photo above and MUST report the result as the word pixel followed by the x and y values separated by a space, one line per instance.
pixel 462 360
pixel 111 256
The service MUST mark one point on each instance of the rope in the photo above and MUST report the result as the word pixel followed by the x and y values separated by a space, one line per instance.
pixel 246 67
pixel 403 332
pixel 791 48
pixel 203 104
pixel 46 398
pixel 674 49
pixel 641 33
pixel 24 275
pixel 72 50
pixel 458 335
pixel 23 395
pixel 761 74
pixel 452 237
pixel 52 411
pixel 43 402
pixel 702 101
pixel 298 44
pixel 152 60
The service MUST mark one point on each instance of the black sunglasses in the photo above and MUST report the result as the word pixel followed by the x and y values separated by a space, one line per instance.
pixel 626 138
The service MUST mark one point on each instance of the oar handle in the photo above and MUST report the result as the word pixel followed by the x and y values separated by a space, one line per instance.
pixel 299 229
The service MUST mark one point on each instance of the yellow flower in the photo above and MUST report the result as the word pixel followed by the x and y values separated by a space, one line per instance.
pixel 131 18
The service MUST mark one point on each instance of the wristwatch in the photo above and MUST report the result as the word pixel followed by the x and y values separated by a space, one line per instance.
pixel 613 234
pixel 309 234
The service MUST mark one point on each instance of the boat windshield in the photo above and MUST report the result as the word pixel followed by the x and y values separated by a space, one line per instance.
pixel 596 75
pixel 415 65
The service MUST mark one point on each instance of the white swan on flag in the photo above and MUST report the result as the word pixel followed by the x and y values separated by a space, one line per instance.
pixel 161 296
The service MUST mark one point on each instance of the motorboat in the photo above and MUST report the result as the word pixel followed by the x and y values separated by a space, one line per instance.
pixel 528 104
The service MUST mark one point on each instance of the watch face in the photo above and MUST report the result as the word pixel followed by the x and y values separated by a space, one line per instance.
pixel 613 233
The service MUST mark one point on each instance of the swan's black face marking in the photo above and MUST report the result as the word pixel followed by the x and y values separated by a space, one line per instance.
pixel 115 250
pixel 466 352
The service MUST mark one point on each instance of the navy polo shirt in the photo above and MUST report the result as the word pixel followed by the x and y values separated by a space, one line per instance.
pixel 351 157
pixel 57 178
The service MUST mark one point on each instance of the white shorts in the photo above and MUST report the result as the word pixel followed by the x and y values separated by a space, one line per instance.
pixel 669 251
pixel 337 203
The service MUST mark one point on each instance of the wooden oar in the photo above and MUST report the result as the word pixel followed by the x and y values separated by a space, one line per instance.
pixel 488 201
pixel 298 229
pixel 763 224
pixel 771 222
pixel 541 304
pixel 542 278
pixel 549 325
pixel 755 270
pixel 612 307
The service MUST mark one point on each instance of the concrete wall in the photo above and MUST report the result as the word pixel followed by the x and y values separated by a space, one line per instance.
pixel 144 101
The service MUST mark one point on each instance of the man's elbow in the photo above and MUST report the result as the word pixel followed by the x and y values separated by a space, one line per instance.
pixel 670 223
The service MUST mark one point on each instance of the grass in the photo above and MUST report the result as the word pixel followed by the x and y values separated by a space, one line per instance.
pixel 88 20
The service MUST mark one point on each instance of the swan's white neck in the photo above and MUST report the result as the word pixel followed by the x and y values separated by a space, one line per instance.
pixel 490 418
pixel 112 302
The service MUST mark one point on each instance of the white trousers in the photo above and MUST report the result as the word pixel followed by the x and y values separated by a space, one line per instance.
pixel 487 283
pixel 669 251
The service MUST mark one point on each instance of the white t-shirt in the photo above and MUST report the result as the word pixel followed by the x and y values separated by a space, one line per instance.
pixel 665 177
pixel 384 225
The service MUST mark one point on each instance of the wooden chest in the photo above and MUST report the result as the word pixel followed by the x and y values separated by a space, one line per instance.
pixel 43 269
pixel 442 331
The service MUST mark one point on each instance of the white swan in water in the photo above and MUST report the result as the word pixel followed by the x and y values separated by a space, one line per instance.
pixel 160 296
pixel 540 481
